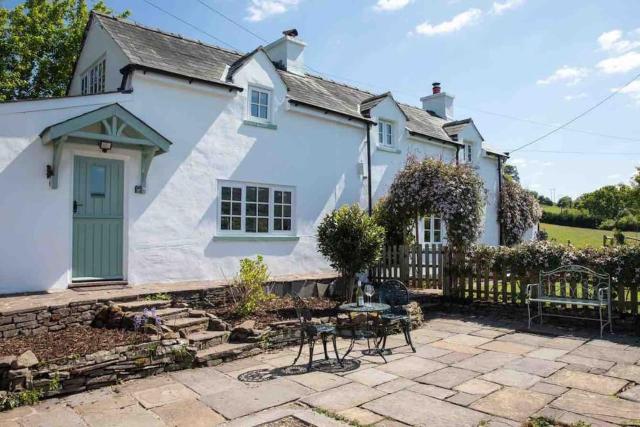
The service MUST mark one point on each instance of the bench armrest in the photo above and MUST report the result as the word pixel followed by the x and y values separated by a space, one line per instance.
pixel 531 287
pixel 604 294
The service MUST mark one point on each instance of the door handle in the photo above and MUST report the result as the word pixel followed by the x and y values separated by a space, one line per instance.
pixel 75 206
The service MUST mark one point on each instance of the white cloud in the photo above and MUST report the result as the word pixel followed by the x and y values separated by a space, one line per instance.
pixel 614 42
pixel 620 64
pixel 614 177
pixel 499 8
pixel 566 74
pixel 389 5
pixel 456 23
pixel 262 9
pixel 580 95
pixel 633 90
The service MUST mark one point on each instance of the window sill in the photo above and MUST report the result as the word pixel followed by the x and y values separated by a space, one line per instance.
pixel 263 125
pixel 388 149
pixel 243 238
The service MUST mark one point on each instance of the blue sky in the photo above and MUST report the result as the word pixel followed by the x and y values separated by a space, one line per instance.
pixel 539 62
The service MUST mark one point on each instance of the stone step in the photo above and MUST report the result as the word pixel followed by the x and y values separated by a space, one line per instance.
pixel 142 304
pixel 188 325
pixel 207 339
pixel 172 313
pixel 225 352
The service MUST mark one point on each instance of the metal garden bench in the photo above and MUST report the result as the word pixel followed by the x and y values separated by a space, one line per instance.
pixel 572 285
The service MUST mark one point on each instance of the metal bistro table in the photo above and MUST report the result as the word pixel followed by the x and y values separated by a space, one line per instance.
pixel 369 331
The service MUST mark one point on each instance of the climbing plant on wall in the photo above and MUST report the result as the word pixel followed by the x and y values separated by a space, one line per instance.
pixel 454 192
pixel 519 211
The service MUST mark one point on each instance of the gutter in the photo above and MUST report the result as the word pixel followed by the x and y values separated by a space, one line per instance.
pixel 126 70
pixel 431 138
pixel 369 167
pixel 297 102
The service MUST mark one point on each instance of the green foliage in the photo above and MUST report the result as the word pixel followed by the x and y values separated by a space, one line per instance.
pixel 628 221
pixel 55 385
pixel 338 417
pixel 570 218
pixel 579 237
pixel 454 192
pixel 351 241
pixel 39 44
pixel 549 422
pixel 511 172
pixel 26 397
pixel 519 211
pixel 398 231
pixel 248 286
pixel 158 297
pixel 607 202
pixel 565 202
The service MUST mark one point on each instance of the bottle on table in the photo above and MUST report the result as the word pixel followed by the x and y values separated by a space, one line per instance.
pixel 359 295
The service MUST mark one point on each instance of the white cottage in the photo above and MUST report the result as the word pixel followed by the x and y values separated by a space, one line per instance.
pixel 171 159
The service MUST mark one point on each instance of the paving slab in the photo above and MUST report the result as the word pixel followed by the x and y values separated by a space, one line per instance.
pixel 319 381
pixel 477 386
pixel 452 327
pixel 463 399
pixel 371 377
pixel 627 372
pixel 237 402
pixel 428 332
pixel 532 365
pixel 564 343
pixel 58 416
pixel 431 352
pixel 205 380
pixel 448 377
pixel 547 353
pixel 457 347
pixel 396 385
pixel 159 396
pixel 512 403
pixel 630 356
pixel 453 357
pixel 468 340
pixel 571 418
pixel 411 367
pixel 546 388
pixel 417 409
pixel 432 390
pixel 486 362
pixel 144 384
pixel 188 413
pixel 526 339
pixel 607 408
pixel 511 378
pixel 488 333
pixel 586 381
pixel 343 397
pixel 361 416
pixel 128 416
pixel 631 394
pixel 507 347
pixel 586 361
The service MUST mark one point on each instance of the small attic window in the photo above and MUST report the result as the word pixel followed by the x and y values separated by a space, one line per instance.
pixel 94 78
pixel 259 104
pixel 385 133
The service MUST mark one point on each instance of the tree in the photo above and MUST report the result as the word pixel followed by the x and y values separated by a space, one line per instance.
pixel 39 43
pixel 510 171
pixel 352 241
pixel 607 202
pixel 565 202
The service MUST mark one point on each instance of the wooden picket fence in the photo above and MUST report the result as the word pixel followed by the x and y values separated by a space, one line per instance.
pixel 437 267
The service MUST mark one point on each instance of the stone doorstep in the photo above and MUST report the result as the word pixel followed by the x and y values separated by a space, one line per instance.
pixel 227 351
pixel 207 339
pixel 188 325
pixel 142 304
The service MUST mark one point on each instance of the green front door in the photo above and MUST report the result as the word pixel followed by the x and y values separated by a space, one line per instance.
pixel 98 186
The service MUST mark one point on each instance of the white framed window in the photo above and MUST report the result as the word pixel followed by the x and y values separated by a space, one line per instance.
pixel 467 155
pixel 255 209
pixel 94 78
pixel 259 108
pixel 433 232
pixel 385 133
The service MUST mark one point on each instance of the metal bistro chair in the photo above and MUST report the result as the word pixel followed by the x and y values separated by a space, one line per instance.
pixel 395 293
pixel 310 332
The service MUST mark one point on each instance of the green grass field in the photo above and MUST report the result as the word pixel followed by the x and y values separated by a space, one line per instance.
pixel 558 209
pixel 579 237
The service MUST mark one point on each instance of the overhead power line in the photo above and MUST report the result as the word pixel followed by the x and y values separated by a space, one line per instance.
pixel 195 27
pixel 584 113
pixel 596 153
pixel 237 24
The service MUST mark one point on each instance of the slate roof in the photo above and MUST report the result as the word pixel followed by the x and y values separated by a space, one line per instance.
pixel 455 127
pixel 170 53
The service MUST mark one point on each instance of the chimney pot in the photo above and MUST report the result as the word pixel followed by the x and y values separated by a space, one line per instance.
pixel 291 33
pixel 436 88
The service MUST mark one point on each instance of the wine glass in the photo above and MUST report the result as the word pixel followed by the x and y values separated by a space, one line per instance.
pixel 368 291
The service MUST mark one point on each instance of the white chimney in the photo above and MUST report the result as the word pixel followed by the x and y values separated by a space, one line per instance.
pixel 288 52
pixel 440 103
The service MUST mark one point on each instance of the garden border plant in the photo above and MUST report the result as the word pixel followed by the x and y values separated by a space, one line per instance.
pixel 519 211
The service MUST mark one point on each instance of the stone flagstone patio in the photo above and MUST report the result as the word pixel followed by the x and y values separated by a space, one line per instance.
pixel 464 373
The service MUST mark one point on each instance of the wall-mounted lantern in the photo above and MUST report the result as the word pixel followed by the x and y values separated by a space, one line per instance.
pixel 105 145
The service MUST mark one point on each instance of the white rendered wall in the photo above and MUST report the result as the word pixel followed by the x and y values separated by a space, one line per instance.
pixel 171 231
pixel 97 45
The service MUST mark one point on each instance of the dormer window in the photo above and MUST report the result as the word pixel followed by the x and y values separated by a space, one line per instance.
pixel 259 104
pixel 385 133
pixel 93 80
